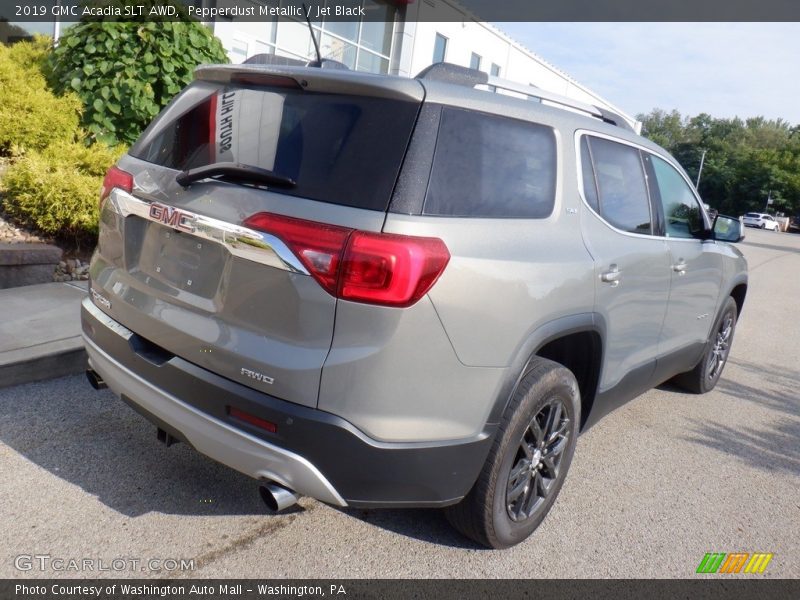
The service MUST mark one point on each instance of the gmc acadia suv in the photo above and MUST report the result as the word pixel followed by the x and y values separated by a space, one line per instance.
pixel 389 292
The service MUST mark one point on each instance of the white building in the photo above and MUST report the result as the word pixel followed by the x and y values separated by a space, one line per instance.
pixel 398 37
pixel 411 35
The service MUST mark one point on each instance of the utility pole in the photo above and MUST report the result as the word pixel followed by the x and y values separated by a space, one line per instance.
pixel 700 170
pixel 769 200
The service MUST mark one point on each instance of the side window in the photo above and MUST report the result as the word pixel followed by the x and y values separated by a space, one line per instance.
pixel 621 188
pixel 490 166
pixel 587 172
pixel 682 215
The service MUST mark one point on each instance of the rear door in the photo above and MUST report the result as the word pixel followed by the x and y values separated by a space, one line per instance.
pixel 696 267
pixel 632 266
pixel 218 272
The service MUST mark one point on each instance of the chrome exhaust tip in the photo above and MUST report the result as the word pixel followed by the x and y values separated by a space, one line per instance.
pixel 277 497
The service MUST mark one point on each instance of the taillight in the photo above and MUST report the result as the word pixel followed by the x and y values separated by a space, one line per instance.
pixel 318 245
pixel 361 266
pixel 394 270
pixel 115 178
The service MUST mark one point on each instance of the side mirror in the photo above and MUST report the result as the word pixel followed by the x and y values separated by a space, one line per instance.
pixel 728 229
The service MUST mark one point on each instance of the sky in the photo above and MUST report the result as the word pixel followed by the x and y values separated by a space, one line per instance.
pixel 723 69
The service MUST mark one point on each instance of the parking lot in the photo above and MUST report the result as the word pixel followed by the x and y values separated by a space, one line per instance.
pixel 653 487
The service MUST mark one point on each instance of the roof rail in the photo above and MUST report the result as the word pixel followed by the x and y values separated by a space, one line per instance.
pixel 456 74
pixel 450 73
pixel 590 109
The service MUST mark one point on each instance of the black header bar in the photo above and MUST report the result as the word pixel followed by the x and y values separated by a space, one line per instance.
pixel 410 10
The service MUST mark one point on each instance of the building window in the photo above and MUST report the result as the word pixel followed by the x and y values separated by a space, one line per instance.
pixel 475 62
pixel 363 44
pixel 494 72
pixel 439 48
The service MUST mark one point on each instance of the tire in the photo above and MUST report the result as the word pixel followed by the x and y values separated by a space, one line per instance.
pixel 543 415
pixel 763 225
pixel 705 375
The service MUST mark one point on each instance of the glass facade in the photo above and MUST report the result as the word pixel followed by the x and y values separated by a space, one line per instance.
pixel 364 44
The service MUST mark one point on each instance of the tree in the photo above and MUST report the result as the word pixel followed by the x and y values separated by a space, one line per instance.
pixel 746 160
pixel 125 72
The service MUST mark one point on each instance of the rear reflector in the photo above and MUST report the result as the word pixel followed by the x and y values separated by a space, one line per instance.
pixel 252 419
pixel 115 178
pixel 361 266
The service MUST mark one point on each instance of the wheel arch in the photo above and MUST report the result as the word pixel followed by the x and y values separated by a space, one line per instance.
pixel 738 293
pixel 576 342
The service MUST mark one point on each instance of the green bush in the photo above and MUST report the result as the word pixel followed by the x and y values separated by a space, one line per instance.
pixel 32 55
pixel 126 72
pixel 57 190
pixel 31 116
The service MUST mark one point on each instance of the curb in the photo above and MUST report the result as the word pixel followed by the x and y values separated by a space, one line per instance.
pixel 47 366
pixel 40 337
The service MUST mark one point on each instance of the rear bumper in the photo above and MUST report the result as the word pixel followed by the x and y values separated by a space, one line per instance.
pixel 312 452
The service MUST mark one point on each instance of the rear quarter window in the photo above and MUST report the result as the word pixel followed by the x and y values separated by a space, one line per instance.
pixel 490 166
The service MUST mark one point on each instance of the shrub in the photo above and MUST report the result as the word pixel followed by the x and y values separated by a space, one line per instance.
pixel 126 72
pixel 57 190
pixel 31 116
pixel 32 55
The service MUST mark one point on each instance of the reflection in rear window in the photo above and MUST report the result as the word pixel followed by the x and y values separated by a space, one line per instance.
pixel 490 166
pixel 339 149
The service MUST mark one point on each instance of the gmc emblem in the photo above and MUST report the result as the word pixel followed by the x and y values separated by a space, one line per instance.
pixel 177 219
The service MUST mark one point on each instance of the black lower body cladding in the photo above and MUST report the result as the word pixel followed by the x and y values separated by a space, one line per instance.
pixel 365 472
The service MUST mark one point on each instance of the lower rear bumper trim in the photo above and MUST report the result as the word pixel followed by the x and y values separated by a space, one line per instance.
pixel 217 440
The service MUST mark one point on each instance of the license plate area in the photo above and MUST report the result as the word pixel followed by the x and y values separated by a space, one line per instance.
pixel 180 260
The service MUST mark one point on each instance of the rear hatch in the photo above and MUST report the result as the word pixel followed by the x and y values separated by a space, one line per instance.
pixel 222 268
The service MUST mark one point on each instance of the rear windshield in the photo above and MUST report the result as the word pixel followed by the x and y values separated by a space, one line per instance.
pixel 490 166
pixel 340 149
pixel 754 215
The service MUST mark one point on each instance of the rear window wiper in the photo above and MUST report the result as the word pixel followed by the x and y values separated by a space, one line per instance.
pixel 235 171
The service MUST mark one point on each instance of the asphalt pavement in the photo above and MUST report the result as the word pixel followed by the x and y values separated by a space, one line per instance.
pixel 652 488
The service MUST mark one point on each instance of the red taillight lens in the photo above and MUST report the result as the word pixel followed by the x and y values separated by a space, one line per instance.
pixel 376 268
pixel 115 178
pixel 318 246
pixel 393 270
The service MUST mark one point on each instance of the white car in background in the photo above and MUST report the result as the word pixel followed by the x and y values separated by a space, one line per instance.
pixel 761 220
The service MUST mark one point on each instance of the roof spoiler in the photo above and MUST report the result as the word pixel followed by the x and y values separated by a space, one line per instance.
pixel 285 61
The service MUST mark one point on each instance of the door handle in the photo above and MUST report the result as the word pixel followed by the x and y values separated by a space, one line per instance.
pixel 611 276
pixel 680 267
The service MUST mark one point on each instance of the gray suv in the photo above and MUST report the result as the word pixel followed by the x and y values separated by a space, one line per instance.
pixel 390 292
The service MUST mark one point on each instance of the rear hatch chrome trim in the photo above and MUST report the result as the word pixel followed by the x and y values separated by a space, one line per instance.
pixel 240 241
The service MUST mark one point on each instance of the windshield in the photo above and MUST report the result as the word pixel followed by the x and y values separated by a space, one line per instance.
pixel 340 149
